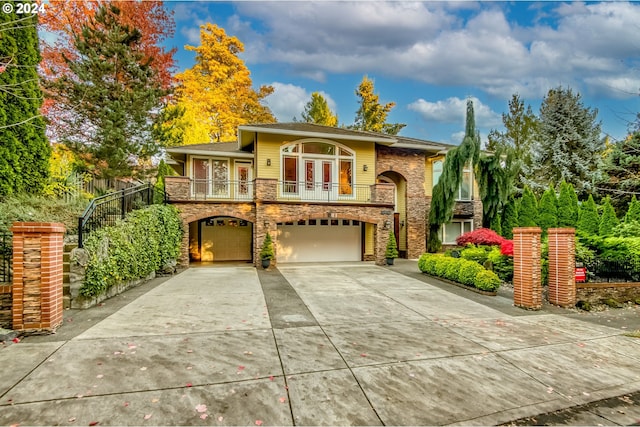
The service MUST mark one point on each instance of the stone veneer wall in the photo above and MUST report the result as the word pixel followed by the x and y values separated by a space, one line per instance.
pixel 37 275
pixel 411 165
pixel 597 293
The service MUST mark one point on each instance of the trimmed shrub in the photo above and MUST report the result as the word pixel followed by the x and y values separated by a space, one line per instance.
pixel 628 228
pixel 608 221
pixel 457 269
pixel 481 236
pixel 132 249
pixel 502 264
pixel 475 253
pixel 487 281
pixel 548 211
pixel 468 272
pixel 567 206
pixel 453 271
pixel 633 212
pixel 588 218
pixel 509 218
pixel 528 209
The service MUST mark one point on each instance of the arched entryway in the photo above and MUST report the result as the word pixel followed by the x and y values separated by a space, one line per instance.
pixel 220 238
pixel 400 208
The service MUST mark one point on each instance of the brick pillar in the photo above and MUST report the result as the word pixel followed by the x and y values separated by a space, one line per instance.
pixel 562 279
pixel 37 275
pixel 527 287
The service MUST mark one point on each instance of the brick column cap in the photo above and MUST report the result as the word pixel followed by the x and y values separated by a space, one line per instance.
pixel 176 178
pixel 562 230
pixel 527 230
pixel 37 227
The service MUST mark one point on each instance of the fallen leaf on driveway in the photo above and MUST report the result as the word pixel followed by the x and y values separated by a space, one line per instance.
pixel 16 340
pixel 146 417
pixel 201 408
pixel 258 422
pixel 72 419
pixel 580 344
pixel 363 354
pixel 94 423
pixel 99 376
pixel 282 399
pixel 144 368
pixel 189 385
pixel 203 416
pixel 240 368
pixel 220 419
pixel 271 377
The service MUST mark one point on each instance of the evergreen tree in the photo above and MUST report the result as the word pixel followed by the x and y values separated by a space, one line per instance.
pixel 588 218
pixel 495 176
pixel 528 209
pixel 521 125
pixel 622 170
pixel 548 211
pixel 317 111
pixel 496 224
pixel 568 144
pixel 609 220
pixel 443 196
pixel 633 212
pixel 567 206
pixel 509 218
pixel 24 150
pixel 372 116
pixel 111 96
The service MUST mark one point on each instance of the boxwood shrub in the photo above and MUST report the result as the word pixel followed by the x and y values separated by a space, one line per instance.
pixel 460 270
pixel 135 247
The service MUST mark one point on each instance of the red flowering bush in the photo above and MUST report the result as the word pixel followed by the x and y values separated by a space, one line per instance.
pixel 506 247
pixel 481 236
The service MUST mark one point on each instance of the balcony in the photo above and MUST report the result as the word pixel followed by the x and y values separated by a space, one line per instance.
pixel 185 189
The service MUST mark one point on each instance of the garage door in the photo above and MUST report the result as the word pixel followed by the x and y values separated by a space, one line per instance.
pixel 225 239
pixel 319 240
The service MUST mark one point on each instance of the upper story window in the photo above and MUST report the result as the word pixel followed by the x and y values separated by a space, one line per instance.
pixel 314 166
pixel 465 191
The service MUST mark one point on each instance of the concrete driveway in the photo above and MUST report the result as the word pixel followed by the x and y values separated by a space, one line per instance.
pixel 329 344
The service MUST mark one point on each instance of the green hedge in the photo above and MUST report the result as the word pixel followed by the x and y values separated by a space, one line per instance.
pixel 460 270
pixel 134 248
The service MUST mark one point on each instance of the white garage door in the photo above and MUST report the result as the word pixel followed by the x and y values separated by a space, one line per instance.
pixel 320 240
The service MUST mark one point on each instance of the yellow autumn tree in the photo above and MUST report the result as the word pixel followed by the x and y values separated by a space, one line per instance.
pixel 216 93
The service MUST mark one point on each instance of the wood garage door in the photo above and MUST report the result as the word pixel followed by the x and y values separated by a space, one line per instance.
pixel 225 239
pixel 321 240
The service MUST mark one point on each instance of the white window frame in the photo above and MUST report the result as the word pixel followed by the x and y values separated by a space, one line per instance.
pixel 210 185
pixel 334 158
pixel 460 223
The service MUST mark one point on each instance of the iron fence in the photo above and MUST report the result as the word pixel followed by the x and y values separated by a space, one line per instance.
pixel 608 270
pixel 108 209
pixel 212 189
pixel 6 257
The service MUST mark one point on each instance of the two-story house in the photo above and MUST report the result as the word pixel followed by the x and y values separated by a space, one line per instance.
pixel 323 193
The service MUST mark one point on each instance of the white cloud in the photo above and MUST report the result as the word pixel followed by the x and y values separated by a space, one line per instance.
pixel 577 44
pixel 454 110
pixel 287 101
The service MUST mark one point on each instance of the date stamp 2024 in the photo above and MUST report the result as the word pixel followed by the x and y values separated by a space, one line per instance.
pixel 24 8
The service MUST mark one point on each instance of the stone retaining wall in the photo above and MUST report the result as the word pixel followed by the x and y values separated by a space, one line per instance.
pixel 597 293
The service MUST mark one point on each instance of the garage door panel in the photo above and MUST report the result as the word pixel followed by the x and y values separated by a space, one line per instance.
pixel 319 243
pixel 226 240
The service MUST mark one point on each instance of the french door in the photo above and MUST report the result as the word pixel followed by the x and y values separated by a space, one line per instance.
pixel 319 182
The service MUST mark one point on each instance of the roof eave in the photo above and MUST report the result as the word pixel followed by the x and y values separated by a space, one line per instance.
pixel 379 140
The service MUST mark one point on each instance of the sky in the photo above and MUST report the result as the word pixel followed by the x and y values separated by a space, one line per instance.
pixel 430 57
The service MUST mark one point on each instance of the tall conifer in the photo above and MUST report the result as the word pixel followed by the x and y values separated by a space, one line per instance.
pixel 24 150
